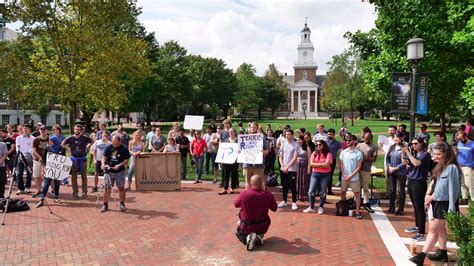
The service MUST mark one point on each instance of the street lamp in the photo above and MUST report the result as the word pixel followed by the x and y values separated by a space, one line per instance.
pixel 304 110
pixel 414 57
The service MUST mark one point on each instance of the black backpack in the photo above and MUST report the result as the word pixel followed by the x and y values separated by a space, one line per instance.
pixel 343 207
pixel 14 205
pixel 272 179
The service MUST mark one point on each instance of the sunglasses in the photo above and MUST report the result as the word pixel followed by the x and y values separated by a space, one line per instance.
pixel 415 143
pixel 319 145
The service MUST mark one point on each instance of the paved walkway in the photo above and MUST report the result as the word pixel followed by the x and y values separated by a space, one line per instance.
pixel 191 226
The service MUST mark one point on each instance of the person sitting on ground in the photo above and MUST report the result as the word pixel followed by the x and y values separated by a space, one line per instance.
pixel 254 204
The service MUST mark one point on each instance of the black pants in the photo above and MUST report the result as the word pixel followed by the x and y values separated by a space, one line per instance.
pixel 3 181
pixel 288 182
pixel 416 191
pixel 333 167
pixel 208 161
pixel 399 182
pixel 230 173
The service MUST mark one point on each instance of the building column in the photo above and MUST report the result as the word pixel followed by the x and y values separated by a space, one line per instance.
pixel 316 100
pixel 291 101
pixel 299 101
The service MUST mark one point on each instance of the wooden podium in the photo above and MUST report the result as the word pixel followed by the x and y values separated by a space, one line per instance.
pixel 158 171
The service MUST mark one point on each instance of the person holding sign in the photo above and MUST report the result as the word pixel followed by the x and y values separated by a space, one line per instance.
pixel 230 171
pixel 288 157
pixel 54 146
pixel 255 169
pixel 114 160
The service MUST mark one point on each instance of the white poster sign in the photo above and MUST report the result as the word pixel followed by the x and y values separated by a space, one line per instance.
pixel 250 147
pixel 227 153
pixel 193 122
pixel 57 166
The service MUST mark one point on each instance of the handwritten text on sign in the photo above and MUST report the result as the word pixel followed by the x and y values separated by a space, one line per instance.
pixel 250 147
pixel 57 166
pixel 227 153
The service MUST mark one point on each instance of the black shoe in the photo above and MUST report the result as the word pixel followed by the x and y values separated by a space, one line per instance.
pixel 400 213
pixel 418 259
pixel 368 208
pixel 94 189
pixel 222 192
pixel 440 255
pixel 392 211
pixel 104 208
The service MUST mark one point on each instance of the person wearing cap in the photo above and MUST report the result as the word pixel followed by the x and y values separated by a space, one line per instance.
pixel 423 134
pixel 39 145
pixel 37 132
pixel 54 146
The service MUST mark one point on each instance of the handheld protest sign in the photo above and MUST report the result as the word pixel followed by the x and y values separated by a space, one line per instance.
pixel 193 122
pixel 250 147
pixel 57 166
pixel 227 153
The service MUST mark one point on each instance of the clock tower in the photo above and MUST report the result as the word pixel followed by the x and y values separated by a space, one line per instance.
pixel 305 67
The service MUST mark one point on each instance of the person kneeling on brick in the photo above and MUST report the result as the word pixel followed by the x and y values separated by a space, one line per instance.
pixel 254 205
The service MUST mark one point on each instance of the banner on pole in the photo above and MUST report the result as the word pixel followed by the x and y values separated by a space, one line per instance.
pixel 401 93
pixel 227 153
pixel 57 166
pixel 193 122
pixel 422 99
pixel 250 147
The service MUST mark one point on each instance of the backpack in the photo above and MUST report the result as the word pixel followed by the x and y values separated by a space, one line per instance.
pixel 14 205
pixel 272 179
pixel 343 207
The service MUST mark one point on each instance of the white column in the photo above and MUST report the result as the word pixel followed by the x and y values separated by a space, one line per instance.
pixel 299 101
pixel 292 101
pixel 308 98
pixel 316 100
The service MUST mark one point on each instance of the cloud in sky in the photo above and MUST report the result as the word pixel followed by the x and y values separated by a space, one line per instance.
pixel 257 32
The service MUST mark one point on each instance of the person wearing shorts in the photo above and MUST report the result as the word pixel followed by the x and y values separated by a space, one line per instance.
pixel 98 149
pixel 114 161
pixel 350 163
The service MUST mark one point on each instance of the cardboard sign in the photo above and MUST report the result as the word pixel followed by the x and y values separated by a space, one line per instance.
pixel 158 171
pixel 250 147
pixel 227 153
pixel 57 166
pixel 193 122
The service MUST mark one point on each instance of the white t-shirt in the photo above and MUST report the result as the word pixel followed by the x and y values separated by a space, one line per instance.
pixel 24 144
pixel 99 147
pixel 349 160
pixel 287 152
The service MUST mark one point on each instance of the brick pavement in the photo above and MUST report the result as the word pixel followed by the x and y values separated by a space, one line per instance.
pixel 191 226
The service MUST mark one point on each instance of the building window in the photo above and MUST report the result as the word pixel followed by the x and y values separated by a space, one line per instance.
pixel 27 119
pixel 3 97
pixel 305 74
pixel 58 119
pixel 5 119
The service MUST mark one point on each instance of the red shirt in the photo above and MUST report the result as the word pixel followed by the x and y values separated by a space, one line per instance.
pixel 254 205
pixel 198 147
pixel 320 158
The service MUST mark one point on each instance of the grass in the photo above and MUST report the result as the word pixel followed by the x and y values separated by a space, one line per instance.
pixel 378 127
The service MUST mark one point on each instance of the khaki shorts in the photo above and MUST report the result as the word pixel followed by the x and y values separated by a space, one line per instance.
pixel 354 185
pixel 37 166
pixel 251 171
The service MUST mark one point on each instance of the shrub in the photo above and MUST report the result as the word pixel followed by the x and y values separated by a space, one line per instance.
pixel 461 230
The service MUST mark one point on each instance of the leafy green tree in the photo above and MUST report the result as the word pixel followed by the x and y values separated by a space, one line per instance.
pixel 83 54
pixel 248 83
pixel 276 90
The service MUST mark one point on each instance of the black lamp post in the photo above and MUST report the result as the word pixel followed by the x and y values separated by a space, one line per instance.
pixel 304 110
pixel 414 57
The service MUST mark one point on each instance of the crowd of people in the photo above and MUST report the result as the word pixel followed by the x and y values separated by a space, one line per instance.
pixel 438 176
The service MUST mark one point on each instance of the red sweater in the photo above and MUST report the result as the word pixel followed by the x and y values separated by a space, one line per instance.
pixel 254 205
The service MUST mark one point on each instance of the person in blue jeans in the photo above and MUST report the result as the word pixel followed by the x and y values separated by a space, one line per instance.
pixel 320 162
pixel 54 146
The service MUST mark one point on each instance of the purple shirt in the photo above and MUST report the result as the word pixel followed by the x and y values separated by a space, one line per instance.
pixel 254 205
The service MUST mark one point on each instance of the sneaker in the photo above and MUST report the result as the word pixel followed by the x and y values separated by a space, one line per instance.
pixel 439 255
pixel 84 195
pixel 94 189
pixel 308 210
pixel 35 195
pixel 419 237
pixel 27 190
pixel 251 241
pixel 75 196
pixel 57 200
pixel 20 192
pixel 413 229
pixel 368 208
pixel 104 208
pixel 39 204
pixel 122 207
pixel 418 259
pixel 282 204
pixel 320 210
pixel 260 239
pixel 294 206
pixel 358 216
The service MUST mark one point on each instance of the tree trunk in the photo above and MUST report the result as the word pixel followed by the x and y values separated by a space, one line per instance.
pixel 226 112
pixel 148 118
pixel 361 112
pixel 273 113
pixel 342 115
pixel 88 115
pixel 259 114
pixel 442 121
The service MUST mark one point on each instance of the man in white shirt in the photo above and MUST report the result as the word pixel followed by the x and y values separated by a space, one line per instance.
pixel 24 144
pixel 288 158
pixel 350 163
pixel 98 149
pixel 207 139
pixel 321 134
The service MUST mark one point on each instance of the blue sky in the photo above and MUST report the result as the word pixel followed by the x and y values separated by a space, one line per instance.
pixel 257 32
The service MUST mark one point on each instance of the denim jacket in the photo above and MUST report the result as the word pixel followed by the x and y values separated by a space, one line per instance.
pixel 447 186
pixel 394 158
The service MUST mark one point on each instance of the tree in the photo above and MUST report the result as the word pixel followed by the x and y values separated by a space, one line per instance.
pixel 248 84
pixel 84 54
pixel 448 61
pixel 276 90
